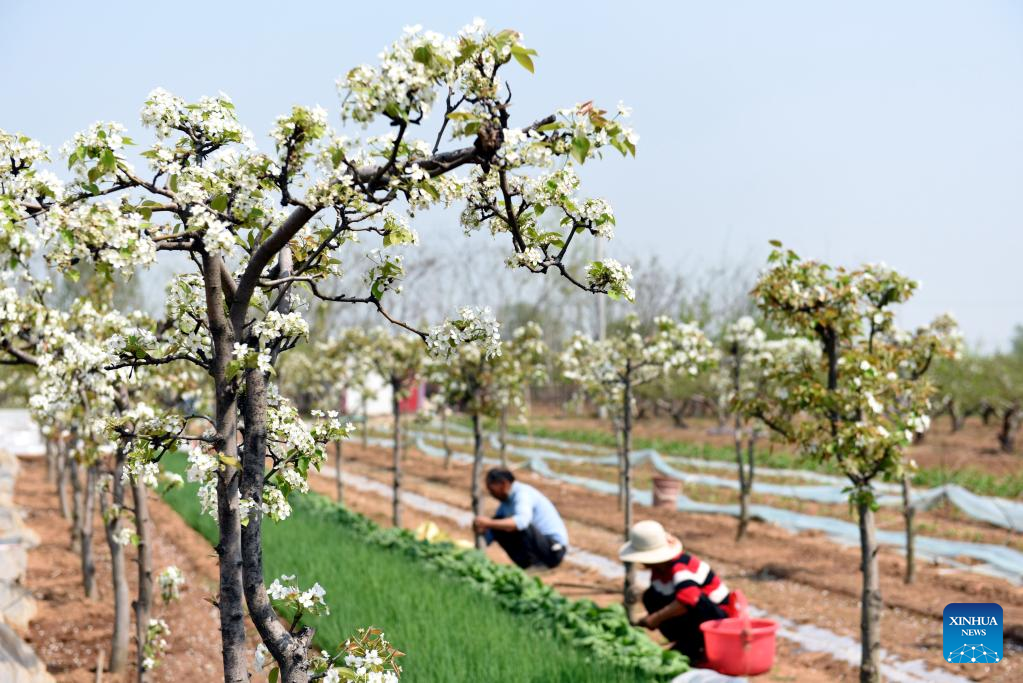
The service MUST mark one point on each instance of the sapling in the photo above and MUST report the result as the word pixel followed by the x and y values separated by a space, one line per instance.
pixel 858 402
pixel 609 371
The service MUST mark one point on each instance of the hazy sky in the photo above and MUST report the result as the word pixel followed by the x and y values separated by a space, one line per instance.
pixel 865 131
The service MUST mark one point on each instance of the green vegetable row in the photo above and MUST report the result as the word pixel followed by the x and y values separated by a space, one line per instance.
pixel 602 631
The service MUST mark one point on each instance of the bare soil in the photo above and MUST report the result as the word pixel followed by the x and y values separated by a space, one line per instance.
pixel 803 577
pixel 974 446
pixel 70 630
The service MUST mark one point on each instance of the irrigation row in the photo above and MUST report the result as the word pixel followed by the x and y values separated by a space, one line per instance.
pixel 990 559
pixel 1001 512
pixel 807 637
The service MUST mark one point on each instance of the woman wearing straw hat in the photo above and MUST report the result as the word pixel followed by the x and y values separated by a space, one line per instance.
pixel 684 592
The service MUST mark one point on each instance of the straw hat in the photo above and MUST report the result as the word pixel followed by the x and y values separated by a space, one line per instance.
pixel 649 543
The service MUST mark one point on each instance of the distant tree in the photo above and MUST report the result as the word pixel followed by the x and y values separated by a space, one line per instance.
pixel 483 382
pixel 610 370
pixel 751 370
pixel 398 359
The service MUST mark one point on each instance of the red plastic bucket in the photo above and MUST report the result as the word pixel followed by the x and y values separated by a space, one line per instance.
pixel 740 646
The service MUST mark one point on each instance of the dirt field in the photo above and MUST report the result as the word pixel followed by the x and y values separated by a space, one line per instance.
pixel 69 630
pixel 803 577
pixel 974 446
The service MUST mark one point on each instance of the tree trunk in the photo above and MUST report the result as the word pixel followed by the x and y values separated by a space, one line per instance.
pixel 396 488
pixel 1010 427
pixel 63 475
pixel 870 599
pixel 230 594
pixel 85 531
pixel 955 415
pixel 290 650
pixel 122 602
pixel 477 473
pixel 908 513
pixel 502 437
pixel 745 479
pixel 444 437
pixel 144 599
pixel 630 570
pixel 617 427
pixel 338 479
pixel 77 503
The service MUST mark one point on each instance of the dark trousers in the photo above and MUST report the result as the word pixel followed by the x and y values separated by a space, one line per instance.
pixel 684 631
pixel 528 547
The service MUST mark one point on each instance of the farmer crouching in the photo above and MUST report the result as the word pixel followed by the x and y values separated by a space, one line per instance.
pixel 684 592
pixel 527 525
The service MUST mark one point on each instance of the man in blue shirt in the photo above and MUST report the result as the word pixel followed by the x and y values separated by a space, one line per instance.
pixel 527 525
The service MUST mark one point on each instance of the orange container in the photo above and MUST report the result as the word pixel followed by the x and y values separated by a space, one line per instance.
pixel 740 646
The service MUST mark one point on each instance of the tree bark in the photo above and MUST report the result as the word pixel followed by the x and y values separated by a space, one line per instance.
pixel 908 514
pixel 630 570
pixel 955 415
pixel 289 650
pixel 122 602
pixel 338 479
pixel 230 593
pixel 617 427
pixel 477 473
pixel 870 599
pixel 77 504
pixel 144 599
pixel 1010 427
pixel 745 479
pixel 85 531
pixel 396 455
pixel 63 476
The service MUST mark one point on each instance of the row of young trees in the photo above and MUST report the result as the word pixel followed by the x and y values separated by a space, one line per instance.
pixel 842 383
pixel 265 234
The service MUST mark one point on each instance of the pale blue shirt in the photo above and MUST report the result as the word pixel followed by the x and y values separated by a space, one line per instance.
pixel 528 506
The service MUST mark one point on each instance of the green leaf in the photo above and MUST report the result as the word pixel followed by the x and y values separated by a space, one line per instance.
pixel 422 54
pixel 108 162
pixel 524 60
pixel 553 125
pixel 580 147
pixel 219 202
pixel 274 673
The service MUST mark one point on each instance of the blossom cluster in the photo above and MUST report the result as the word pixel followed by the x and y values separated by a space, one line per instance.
pixel 603 369
pixel 611 276
pixel 366 658
pixel 474 325
pixel 309 601
pixel 171 580
pixel 156 644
